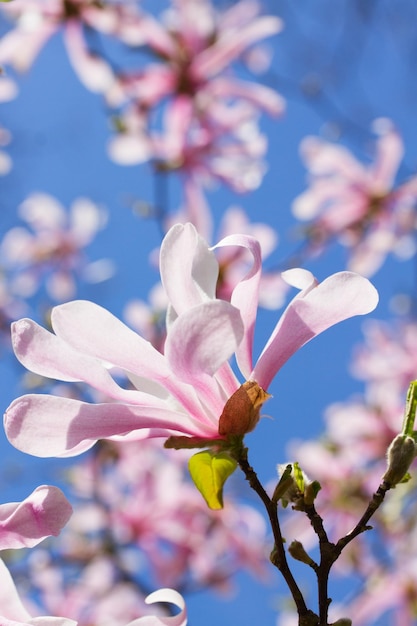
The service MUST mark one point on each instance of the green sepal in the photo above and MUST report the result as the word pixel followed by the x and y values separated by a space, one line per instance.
pixel 209 471
pixel 405 479
pixel 410 410
pixel 298 477
pixel 311 491
pixel 284 483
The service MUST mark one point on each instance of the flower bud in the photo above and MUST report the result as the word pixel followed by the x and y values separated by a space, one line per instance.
pixel 241 412
pixel 400 455
pixel 296 549
pixel 343 621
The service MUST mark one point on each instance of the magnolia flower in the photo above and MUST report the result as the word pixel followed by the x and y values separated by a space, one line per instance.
pixel 209 117
pixel 53 245
pixel 37 21
pixel 184 390
pixel 358 204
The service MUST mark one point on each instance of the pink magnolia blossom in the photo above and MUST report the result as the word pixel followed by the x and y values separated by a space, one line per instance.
pixel 52 246
pixel 184 390
pixel 387 360
pixel 209 117
pixel 36 21
pixel 358 204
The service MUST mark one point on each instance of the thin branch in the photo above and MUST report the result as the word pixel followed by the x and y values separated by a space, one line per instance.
pixel 278 556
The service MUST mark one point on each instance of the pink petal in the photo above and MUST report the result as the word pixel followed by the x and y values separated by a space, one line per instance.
pixel 390 151
pixel 43 212
pixel 324 159
pixel 13 613
pixel 25 524
pixel 178 119
pixel 47 426
pixel 20 47
pixel 200 341
pixel 93 331
pixel 164 595
pixel 48 355
pixel 339 297
pixel 245 297
pixel 127 149
pixel 188 268
pixel 231 44
pixel 262 97
pixel 10 603
pixel 93 71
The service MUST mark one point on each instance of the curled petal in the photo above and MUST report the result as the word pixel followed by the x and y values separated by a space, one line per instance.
pixel 188 268
pixel 245 297
pixel 25 524
pixel 12 611
pixel 164 595
pixel 337 298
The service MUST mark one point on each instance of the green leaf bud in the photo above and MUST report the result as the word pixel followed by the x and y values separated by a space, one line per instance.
pixel 296 549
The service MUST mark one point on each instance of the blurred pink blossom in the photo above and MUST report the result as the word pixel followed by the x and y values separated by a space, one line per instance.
pixel 51 249
pixel 184 390
pixel 209 125
pixel 138 523
pixel 13 612
pixel 360 205
pixel 36 21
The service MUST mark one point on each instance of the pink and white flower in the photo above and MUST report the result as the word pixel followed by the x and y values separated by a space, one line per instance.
pixel 36 21
pixel 358 204
pixel 184 390
pixel 209 116
pixel 52 247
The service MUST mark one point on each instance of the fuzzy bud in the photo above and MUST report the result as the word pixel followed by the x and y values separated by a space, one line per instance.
pixel 400 455
pixel 296 549
pixel 343 621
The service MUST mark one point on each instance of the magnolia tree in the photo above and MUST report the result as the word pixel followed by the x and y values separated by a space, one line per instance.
pixel 152 413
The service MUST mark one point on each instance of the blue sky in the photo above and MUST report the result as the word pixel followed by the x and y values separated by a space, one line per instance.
pixel 59 135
